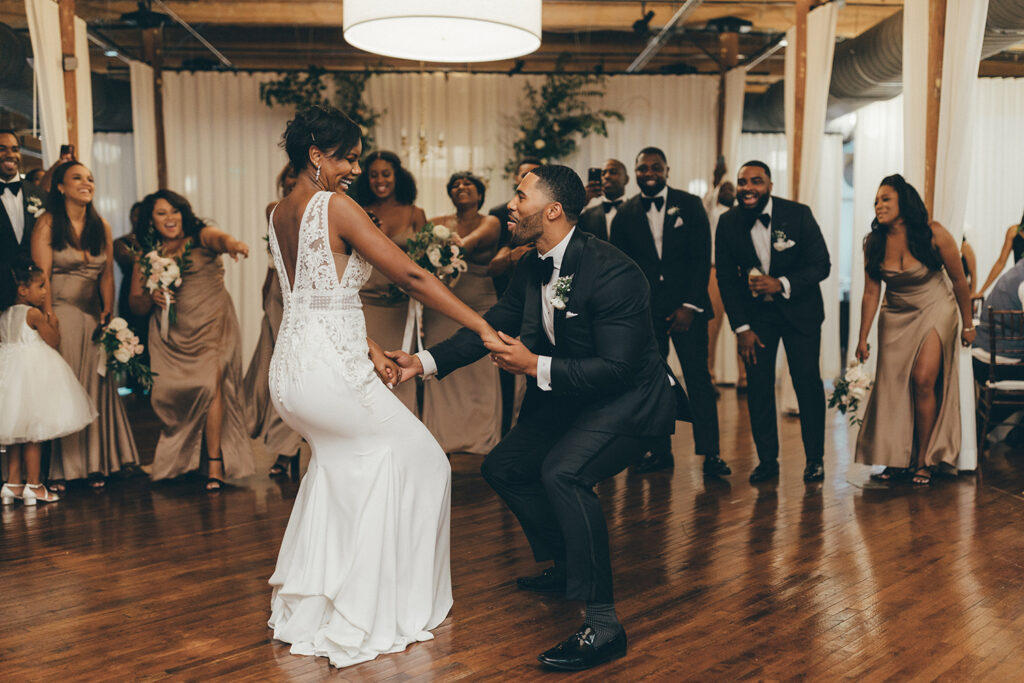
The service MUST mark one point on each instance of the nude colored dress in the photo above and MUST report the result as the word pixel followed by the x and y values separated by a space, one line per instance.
pixel 463 411
pixel 106 445
pixel 262 420
pixel 386 318
pixel 202 345
pixel 917 301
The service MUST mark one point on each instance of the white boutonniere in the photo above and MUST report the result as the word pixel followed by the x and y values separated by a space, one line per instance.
pixel 563 286
pixel 672 210
pixel 780 241
pixel 34 206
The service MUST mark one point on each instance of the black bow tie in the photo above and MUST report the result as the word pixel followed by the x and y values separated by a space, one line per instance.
pixel 610 204
pixel 647 201
pixel 543 269
pixel 14 186
pixel 765 219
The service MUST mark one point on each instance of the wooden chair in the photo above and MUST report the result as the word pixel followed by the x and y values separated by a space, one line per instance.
pixel 996 392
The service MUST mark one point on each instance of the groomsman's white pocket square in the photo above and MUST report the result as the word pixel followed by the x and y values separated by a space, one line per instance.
pixel 783 245
pixel 570 314
pixel 678 223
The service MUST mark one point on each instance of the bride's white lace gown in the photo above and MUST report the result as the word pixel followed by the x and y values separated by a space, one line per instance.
pixel 364 564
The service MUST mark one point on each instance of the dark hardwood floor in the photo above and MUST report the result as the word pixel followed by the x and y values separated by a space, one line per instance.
pixel 715 580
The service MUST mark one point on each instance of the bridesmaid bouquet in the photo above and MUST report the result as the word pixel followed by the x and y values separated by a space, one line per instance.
pixel 433 250
pixel 161 272
pixel 121 348
pixel 849 390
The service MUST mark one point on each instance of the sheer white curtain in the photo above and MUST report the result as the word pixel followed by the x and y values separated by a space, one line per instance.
pixel 44 32
pixel 223 155
pixel 83 94
pixel 113 168
pixel 735 84
pixel 144 128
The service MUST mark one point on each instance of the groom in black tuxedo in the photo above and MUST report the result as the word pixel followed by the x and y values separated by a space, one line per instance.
pixel 770 257
pixel 16 201
pixel 576 320
pixel 666 232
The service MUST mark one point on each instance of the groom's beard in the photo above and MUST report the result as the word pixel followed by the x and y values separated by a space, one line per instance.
pixel 527 229
pixel 758 208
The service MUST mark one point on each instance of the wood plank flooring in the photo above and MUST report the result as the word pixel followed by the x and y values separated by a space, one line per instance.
pixel 715 580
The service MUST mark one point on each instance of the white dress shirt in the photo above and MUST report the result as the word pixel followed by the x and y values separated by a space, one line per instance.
pixel 761 236
pixel 547 309
pixel 15 210
pixel 656 219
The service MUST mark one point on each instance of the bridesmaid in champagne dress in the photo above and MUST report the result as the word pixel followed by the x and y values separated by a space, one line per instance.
pixel 262 419
pixel 912 417
pixel 73 246
pixel 196 361
pixel 464 412
pixel 387 191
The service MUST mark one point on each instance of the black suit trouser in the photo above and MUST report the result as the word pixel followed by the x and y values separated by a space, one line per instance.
pixel 546 474
pixel 692 349
pixel 802 351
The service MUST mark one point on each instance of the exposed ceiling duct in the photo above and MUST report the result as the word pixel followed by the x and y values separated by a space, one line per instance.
pixel 870 67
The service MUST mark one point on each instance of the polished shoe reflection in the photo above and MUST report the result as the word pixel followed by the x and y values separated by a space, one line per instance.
pixel 815 471
pixel 714 466
pixel 765 471
pixel 551 580
pixel 578 651
pixel 654 462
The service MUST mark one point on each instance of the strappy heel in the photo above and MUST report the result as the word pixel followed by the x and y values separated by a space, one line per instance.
pixel 31 497
pixel 213 483
pixel 8 496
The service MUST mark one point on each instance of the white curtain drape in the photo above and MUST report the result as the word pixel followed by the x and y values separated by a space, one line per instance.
pixel 113 168
pixel 44 33
pixel 735 85
pixel 83 94
pixel 143 128
pixel 223 155
pixel 915 89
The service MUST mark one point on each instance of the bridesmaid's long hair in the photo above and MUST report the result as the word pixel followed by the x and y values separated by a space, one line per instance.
pixel 405 184
pixel 919 232
pixel 94 235
pixel 190 223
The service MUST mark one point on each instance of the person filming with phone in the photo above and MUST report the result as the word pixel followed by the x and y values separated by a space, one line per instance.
pixel 610 181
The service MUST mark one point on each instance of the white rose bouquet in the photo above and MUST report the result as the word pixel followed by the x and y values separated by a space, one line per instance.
pixel 122 350
pixel 850 390
pixel 161 272
pixel 433 249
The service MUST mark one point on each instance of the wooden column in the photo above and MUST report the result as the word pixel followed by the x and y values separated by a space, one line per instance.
pixel 153 53
pixel 67 48
pixel 936 41
pixel 728 57
pixel 803 8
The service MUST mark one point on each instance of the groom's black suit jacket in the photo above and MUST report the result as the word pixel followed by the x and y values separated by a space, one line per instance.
pixel 606 372
pixel 680 275
pixel 805 264
pixel 9 244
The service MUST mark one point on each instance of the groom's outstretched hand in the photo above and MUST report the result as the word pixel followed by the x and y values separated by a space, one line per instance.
pixel 511 355
pixel 411 365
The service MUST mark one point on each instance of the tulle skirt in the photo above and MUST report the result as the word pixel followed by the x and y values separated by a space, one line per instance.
pixel 40 397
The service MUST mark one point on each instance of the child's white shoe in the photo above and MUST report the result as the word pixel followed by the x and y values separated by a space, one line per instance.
pixel 8 496
pixel 39 493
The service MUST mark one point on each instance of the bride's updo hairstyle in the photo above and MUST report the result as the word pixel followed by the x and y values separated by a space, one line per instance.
pixel 919 231
pixel 325 127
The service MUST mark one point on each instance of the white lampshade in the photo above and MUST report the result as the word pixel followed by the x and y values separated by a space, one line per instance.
pixel 444 30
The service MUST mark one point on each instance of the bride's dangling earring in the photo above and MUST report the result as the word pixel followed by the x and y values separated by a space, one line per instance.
pixel 317 178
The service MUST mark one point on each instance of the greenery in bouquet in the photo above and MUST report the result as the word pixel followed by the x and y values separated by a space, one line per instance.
pixel 162 272
pixel 313 87
pixel 850 390
pixel 553 116
pixel 124 351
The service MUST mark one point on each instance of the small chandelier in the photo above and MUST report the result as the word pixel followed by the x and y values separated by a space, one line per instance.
pixel 444 30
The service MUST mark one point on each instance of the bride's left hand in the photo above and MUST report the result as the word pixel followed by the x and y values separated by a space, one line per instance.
pixel 387 370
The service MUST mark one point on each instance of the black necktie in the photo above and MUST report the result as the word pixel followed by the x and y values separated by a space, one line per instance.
pixel 14 186
pixel 542 270
pixel 610 204
pixel 647 201
pixel 766 219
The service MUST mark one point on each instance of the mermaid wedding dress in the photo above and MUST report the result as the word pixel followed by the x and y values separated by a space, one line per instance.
pixel 364 563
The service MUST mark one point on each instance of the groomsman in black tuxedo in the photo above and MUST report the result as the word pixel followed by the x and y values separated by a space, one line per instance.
pixel 576 320
pixel 770 257
pixel 19 201
pixel 666 232
pixel 597 219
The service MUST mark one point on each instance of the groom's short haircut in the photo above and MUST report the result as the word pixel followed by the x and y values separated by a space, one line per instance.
pixel 565 187
pixel 761 165
pixel 654 151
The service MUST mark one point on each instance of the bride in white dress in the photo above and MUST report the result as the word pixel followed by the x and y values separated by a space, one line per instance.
pixel 364 563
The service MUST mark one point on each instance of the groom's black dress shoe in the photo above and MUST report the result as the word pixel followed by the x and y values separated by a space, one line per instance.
pixel 764 472
pixel 654 462
pixel 815 471
pixel 714 466
pixel 552 580
pixel 578 652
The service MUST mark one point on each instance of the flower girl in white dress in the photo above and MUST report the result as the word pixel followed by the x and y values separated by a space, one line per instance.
pixel 41 398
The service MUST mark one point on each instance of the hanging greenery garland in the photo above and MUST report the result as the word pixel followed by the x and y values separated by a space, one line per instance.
pixel 554 115
pixel 302 89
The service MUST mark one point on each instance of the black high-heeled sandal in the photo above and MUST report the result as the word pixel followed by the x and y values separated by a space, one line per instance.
pixel 292 468
pixel 213 483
